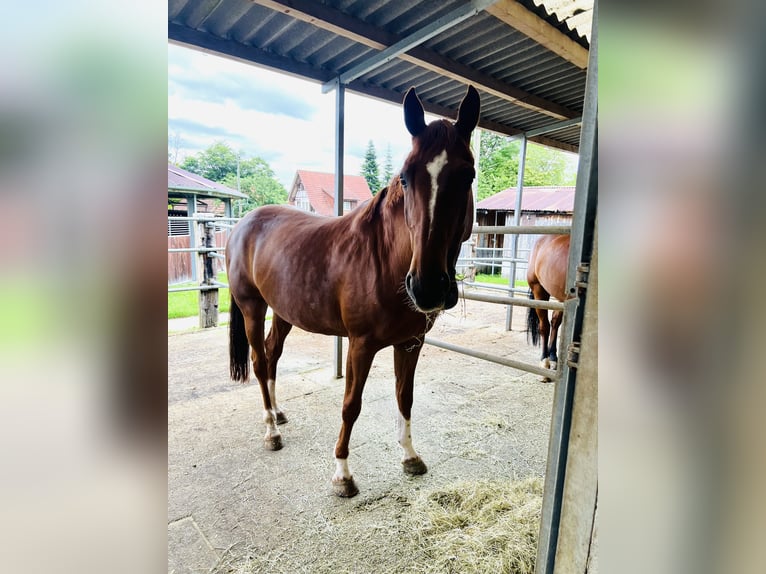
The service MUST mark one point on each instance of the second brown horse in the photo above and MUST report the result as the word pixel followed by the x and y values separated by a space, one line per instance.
pixel 546 275
pixel 378 275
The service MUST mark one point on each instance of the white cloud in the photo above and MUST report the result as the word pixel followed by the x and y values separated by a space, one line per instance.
pixel 287 143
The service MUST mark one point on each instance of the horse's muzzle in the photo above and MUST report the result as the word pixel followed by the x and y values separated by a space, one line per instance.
pixel 430 294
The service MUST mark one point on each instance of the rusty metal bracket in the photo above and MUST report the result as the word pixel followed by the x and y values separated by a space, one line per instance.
pixel 581 279
pixel 573 354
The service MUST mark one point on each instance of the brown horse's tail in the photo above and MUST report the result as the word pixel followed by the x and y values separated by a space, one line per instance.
pixel 533 324
pixel 239 361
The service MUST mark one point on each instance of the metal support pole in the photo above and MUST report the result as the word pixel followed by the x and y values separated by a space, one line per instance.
pixel 581 249
pixel 340 98
pixel 191 210
pixel 516 221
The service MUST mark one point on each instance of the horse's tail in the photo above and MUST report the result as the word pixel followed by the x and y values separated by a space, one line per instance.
pixel 533 324
pixel 239 361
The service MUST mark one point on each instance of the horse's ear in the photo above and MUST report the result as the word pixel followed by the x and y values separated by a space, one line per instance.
pixel 468 113
pixel 414 116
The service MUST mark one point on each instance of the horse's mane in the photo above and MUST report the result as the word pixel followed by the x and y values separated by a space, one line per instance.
pixel 386 198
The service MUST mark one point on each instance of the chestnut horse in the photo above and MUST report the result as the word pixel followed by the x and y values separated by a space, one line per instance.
pixel 378 275
pixel 546 275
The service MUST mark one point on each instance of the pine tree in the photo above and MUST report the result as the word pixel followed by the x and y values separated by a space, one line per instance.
pixel 388 167
pixel 370 169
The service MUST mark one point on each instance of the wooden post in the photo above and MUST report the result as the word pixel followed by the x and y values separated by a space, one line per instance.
pixel 208 298
pixel 470 273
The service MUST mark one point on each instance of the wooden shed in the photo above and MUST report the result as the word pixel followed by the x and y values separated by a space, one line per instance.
pixel 188 194
pixel 540 205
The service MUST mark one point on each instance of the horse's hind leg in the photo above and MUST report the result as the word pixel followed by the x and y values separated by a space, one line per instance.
pixel 274 344
pixel 254 311
pixel 405 360
pixel 555 323
pixel 541 294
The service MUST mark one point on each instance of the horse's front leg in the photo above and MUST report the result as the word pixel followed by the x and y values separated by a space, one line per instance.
pixel 405 360
pixel 358 364
pixel 545 332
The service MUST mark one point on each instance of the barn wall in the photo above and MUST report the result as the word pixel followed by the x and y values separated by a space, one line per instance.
pixel 526 242
pixel 179 264
pixel 486 242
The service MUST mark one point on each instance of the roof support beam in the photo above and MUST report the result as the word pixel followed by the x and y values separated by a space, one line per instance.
pixel 553 127
pixel 426 33
pixel 327 18
pixel 205 42
pixel 221 47
pixel 531 25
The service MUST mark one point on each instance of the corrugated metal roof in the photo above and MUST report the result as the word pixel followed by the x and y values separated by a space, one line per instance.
pixel 525 82
pixel 533 198
pixel 190 183
pixel 573 16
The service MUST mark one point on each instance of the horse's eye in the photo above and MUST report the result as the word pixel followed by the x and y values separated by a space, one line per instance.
pixel 403 180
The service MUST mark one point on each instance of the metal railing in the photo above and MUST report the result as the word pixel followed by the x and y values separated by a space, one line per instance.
pixel 472 292
pixel 202 235
pixel 468 290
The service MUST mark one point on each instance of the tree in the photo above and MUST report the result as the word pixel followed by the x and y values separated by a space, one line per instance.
pixel 499 165
pixel 388 167
pixel 370 168
pixel 258 184
pixel 174 145
pixel 256 178
pixel 213 163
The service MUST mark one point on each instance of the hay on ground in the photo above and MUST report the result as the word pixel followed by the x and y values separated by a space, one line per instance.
pixel 473 527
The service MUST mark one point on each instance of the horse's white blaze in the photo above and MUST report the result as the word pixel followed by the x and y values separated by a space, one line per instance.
pixel 405 439
pixel 434 167
pixel 341 470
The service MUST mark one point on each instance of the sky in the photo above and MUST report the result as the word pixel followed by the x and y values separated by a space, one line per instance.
pixel 285 120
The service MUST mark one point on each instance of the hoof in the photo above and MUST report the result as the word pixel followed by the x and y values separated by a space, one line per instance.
pixel 273 442
pixel 554 365
pixel 545 363
pixel 281 418
pixel 345 488
pixel 414 466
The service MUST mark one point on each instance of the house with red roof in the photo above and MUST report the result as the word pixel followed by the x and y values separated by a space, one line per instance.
pixel 314 191
pixel 540 205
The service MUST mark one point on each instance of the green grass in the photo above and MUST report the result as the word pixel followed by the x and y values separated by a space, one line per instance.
pixel 498 280
pixel 186 303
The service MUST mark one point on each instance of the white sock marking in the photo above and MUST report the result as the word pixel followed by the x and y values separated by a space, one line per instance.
pixel 435 167
pixel 405 438
pixel 270 418
pixel 341 470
